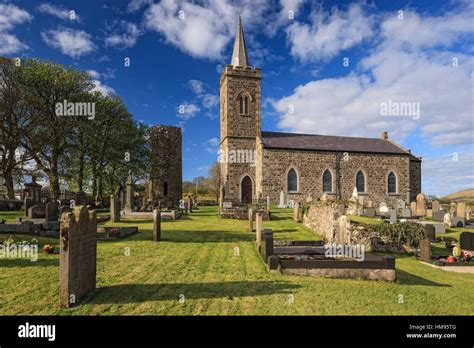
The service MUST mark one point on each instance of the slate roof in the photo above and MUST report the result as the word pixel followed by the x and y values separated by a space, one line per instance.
pixel 294 141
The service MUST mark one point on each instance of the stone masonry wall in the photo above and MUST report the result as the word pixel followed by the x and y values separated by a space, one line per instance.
pixel 166 164
pixel 310 166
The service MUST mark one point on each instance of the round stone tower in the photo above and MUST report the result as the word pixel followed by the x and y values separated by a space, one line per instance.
pixel 166 165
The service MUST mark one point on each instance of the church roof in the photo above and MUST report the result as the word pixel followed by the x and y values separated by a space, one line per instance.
pixel 294 141
pixel 239 56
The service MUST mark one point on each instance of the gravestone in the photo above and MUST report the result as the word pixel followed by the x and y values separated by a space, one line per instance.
pixel 27 203
pixel 227 205
pixel 36 212
pixel 447 220
pixel 258 228
pixel 438 216
pixel 383 208
pixel 157 224
pixel 406 213
pixel 466 241
pixel 425 250
pixel 268 203
pixel 461 209
pixel 190 204
pixel 129 197
pixel 458 221
pixel 430 233
pixel 393 216
pixel 429 213
pixel 282 200
pixel 435 206
pixel 78 254
pixel 369 212
pixel 420 204
pixel 114 209
pixel 400 204
pixel 51 211
pixel 250 220
pixel 296 212
pixel 413 208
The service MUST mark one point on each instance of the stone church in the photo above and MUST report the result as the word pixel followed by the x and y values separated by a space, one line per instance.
pixel 255 163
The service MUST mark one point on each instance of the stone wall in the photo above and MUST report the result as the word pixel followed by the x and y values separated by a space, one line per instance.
pixel 78 254
pixel 415 179
pixel 166 164
pixel 310 166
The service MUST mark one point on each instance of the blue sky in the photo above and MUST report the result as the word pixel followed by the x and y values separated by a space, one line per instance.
pixel 177 49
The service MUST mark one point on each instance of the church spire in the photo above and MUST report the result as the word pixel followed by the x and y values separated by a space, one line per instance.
pixel 239 56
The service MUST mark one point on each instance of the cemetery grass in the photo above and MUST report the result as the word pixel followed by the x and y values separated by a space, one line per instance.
pixel 197 258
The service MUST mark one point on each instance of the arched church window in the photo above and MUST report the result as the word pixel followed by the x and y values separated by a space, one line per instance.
pixel 392 183
pixel 292 180
pixel 360 181
pixel 244 105
pixel 327 181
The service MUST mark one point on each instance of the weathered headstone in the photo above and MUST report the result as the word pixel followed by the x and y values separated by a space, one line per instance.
pixel 258 227
pixel 438 216
pixel 447 220
pixel 413 208
pixel 296 212
pixel 420 204
pixel 406 213
pixel 157 225
pixel 250 220
pixel 282 200
pixel 458 221
pixel 369 212
pixel 393 216
pixel 461 210
pixel 36 212
pixel 425 250
pixel 114 209
pixel 435 206
pixel 466 241
pixel 78 254
pixel 383 208
pixel 190 204
pixel 51 211
pixel 430 233
pixel 429 213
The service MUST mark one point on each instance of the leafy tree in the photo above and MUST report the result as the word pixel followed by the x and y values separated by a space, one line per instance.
pixel 214 179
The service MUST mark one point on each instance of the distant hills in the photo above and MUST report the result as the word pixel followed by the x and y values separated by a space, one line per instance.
pixel 465 195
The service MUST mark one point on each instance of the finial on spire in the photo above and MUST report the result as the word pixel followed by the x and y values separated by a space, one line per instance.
pixel 239 55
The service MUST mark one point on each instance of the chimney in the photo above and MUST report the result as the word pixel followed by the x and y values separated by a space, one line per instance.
pixel 384 135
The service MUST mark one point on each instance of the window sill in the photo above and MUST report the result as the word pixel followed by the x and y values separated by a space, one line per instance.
pixel 293 193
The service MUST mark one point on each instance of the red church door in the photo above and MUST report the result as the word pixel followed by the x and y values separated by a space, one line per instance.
pixel 246 190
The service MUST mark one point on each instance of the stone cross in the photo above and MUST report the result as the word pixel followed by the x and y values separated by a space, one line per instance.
pixel 157 224
pixel 114 209
pixel 78 255
pixel 129 196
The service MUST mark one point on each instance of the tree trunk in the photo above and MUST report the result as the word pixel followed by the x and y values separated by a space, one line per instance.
pixel 8 176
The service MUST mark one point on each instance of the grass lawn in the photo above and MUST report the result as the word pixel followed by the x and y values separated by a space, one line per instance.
pixel 197 259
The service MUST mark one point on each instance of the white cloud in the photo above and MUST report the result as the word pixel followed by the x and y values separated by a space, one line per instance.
pixel 126 36
pixel 10 44
pixel 329 34
pixel 210 100
pixel 203 31
pixel 11 16
pixel 102 88
pixel 187 111
pixel 136 5
pixel 74 43
pixel 350 105
pixel 59 12
pixel 196 86
pixel 212 145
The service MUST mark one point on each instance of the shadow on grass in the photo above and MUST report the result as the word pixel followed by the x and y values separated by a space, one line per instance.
pixel 135 293
pixel 405 278
pixel 28 263
pixel 193 236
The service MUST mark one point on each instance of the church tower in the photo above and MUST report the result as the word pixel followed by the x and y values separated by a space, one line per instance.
pixel 240 123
